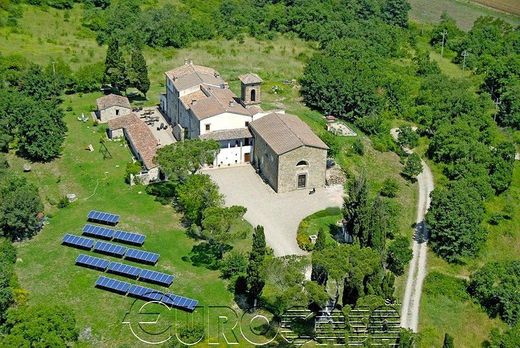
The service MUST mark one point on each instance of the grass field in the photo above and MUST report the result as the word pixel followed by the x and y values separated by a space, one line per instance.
pixel 508 6
pixel 464 12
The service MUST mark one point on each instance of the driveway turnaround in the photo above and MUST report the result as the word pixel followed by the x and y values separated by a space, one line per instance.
pixel 279 213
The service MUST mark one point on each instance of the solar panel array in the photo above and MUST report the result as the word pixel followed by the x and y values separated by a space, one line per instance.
pixel 103 217
pixel 142 256
pixel 156 277
pixel 129 237
pixel 92 262
pixel 136 255
pixel 144 293
pixel 110 249
pixel 78 242
pixel 98 231
pixel 125 270
pixel 117 235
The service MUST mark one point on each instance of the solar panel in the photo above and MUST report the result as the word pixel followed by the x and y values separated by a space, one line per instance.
pixel 98 231
pixel 110 249
pixel 92 262
pixel 125 270
pixel 143 293
pixel 173 300
pixel 102 217
pixel 156 277
pixel 78 242
pixel 142 256
pixel 129 237
pixel 113 285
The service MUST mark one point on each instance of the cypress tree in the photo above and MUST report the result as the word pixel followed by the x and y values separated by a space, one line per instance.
pixel 321 240
pixel 255 280
pixel 377 227
pixel 115 69
pixel 448 341
pixel 139 71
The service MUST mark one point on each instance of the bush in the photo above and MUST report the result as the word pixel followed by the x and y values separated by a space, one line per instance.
pixel 358 147
pixel 390 188
pixel 399 254
pixel 233 264
pixel 132 168
pixel 407 137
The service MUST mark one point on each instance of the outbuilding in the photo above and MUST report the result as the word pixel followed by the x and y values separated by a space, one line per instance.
pixel 112 106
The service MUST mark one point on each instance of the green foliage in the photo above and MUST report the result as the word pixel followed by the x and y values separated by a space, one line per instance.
pixel 182 159
pixel 188 334
pixel 509 338
pixel 195 195
pixel 453 34
pixel 217 222
pixel 407 137
pixel 316 293
pixel 44 326
pixel 454 221
pixel 395 12
pixel 425 66
pixel 440 284
pixel 115 67
pixel 399 254
pixel 413 166
pixel 390 188
pixel 358 147
pixel 255 275
pixel 448 341
pixel 7 276
pixel 233 264
pixel 19 207
pixel 407 338
pixel 340 80
pixel 132 168
pixel 321 240
pixel 496 286
pixel 138 72
pixel 88 78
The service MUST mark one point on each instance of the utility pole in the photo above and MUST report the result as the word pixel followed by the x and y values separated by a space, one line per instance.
pixel 497 105
pixel 464 54
pixel 444 34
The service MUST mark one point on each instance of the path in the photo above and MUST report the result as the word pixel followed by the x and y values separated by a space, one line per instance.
pixel 417 270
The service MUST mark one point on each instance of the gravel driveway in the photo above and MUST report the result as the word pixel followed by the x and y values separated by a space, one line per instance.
pixel 279 213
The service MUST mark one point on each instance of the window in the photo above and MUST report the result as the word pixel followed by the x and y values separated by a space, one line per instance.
pixel 117 112
pixel 208 127
pixel 302 163
pixel 247 123
pixel 237 142
pixel 253 95
pixel 247 142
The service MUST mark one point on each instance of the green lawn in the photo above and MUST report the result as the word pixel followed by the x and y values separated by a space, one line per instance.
pixel 46 268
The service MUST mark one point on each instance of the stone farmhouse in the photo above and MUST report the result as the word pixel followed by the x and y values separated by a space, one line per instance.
pixel 142 142
pixel 112 106
pixel 199 104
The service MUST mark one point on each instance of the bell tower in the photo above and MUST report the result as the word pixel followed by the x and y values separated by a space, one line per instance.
pixel 250 84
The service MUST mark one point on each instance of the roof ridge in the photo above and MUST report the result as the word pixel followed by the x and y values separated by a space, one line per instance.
pixel 288 127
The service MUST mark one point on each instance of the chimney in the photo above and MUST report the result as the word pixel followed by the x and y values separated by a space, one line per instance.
pixel 232 103
pixel 193 102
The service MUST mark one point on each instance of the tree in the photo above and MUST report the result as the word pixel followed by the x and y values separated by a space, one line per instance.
pixel 115 67
pixel 234 264
pixel 413 166
pixel 390 188
pixel 395 12
pixel 255 277
pixel 356 209
pixel 378 226
pixel 495 286
pixel 407 137
pixel 501 166
pixel 184 158
pixel 454 221
pixel 7 276
pixel 448 341
pixel 509 114
pixel 509 338
pixel 197 194
pixel 43 326
pixel 407 338
pixel 39 84
pixel 321 241
pixel 19 207
pixel 399 254
pixel 139 72
pixel 217 222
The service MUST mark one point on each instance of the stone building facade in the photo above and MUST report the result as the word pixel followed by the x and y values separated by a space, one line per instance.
pixel 287 154
pixel 112 106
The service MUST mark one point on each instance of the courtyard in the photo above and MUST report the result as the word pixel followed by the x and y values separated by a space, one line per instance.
pixel 279 213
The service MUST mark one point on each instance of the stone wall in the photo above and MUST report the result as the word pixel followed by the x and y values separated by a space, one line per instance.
pixel 266 161
pixel 288 168
pixel 112 112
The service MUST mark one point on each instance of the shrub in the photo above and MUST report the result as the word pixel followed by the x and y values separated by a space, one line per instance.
pixel 358 147
pixel 132 168
pixel 390 188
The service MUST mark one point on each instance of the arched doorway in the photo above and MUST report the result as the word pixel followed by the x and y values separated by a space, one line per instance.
pixel 253 95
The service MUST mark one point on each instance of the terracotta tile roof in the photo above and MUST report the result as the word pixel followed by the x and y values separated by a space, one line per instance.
pixel 190 75
pixel 250 78
pixel 138 133
pixel 110 100
pixel 218 101
pixel 227 134
pixel 188 99
pixel 283 133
